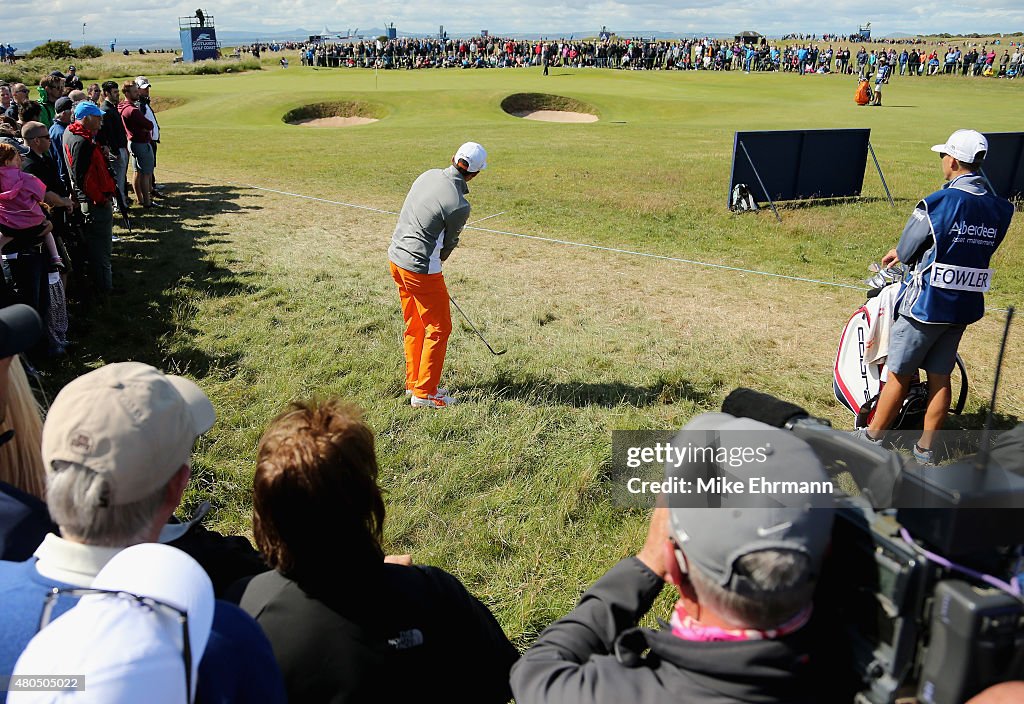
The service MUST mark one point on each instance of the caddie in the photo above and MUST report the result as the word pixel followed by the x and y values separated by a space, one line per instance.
pixel 948 243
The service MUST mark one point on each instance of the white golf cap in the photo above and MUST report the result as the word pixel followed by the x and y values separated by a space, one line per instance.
pixel 474 155
pixel 142 82
pixel 129 422
pixel 967 146
pixel 126 651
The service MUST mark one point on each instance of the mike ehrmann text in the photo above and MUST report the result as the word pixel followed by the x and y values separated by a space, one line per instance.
pixel 724 485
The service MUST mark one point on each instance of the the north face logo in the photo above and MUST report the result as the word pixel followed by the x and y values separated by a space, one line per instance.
pixel 82 443
pixel 407 639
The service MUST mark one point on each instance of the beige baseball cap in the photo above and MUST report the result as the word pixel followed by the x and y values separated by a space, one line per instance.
pixel 130 422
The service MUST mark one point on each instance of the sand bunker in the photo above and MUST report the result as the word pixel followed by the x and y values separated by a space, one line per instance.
pixel 334 121
pixel 335 114
pixel 555 116
pixel 545 107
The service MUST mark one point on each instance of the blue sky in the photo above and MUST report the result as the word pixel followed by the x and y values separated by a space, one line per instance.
pixel 31 19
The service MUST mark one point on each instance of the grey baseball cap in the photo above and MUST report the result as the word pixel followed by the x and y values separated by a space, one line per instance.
pixel 740 524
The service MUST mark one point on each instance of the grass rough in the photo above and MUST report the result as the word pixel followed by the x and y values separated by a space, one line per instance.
pixel 264 298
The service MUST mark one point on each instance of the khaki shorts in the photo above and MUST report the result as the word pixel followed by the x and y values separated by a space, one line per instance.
pixel 929 346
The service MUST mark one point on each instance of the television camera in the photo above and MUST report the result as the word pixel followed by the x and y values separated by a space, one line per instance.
pixel 921 591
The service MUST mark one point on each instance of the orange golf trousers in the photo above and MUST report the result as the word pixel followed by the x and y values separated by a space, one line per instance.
pixel 428 323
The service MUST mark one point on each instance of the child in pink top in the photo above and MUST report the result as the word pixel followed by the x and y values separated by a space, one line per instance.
pixel 21 196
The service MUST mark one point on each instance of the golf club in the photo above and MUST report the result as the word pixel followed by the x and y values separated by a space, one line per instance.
pixel 496 354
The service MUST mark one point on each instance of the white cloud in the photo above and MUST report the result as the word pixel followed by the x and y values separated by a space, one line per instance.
pixel 30 19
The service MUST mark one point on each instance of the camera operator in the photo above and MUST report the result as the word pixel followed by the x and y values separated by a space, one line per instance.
pixel 745 578
pixel 948 242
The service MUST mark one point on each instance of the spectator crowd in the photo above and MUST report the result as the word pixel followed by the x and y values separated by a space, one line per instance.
pixel 707 54
pixel 64 161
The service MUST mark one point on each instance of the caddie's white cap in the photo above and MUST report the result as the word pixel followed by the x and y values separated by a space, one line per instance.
pixel 126 651
pixel 474 155
pixel 142 82
pixel 967 146
pixel 129 422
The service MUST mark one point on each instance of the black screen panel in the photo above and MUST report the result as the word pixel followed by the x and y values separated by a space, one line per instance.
pixel 1004 165
pixel 795 164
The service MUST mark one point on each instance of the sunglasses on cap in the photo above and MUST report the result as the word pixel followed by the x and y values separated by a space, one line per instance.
pixel 146 602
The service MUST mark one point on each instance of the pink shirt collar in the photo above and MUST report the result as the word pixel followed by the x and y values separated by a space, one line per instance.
pixel 686 627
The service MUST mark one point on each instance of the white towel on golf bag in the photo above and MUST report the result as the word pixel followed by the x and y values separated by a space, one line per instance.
pixel 880 310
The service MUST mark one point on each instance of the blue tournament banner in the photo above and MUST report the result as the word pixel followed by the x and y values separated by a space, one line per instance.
pixel 204 43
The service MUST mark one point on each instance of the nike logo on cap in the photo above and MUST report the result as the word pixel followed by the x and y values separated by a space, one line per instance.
pixel 764 532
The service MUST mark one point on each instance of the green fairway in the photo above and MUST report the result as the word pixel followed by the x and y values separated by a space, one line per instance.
pixel 264 297
pixel 652 173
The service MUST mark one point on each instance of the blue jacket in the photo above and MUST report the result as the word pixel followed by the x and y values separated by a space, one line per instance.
pixel 57 149
pixel 24 521
pixel 949 241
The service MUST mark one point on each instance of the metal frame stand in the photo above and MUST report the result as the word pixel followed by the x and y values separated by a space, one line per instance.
pixel 987 182
pixel 759 181
pixel 879 168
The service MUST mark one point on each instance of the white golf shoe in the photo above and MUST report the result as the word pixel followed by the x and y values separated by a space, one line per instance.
pixel 440 391
pixel 437 401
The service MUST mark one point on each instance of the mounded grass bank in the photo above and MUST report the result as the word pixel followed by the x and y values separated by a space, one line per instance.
pixel 116 65
pixel 531 102
pixel 344 108
pixel 161 103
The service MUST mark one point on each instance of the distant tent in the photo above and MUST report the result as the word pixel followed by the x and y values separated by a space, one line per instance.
pixel 745 38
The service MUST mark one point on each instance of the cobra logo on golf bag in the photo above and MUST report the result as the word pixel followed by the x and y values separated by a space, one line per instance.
pixel 855 378
pixel 861 353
